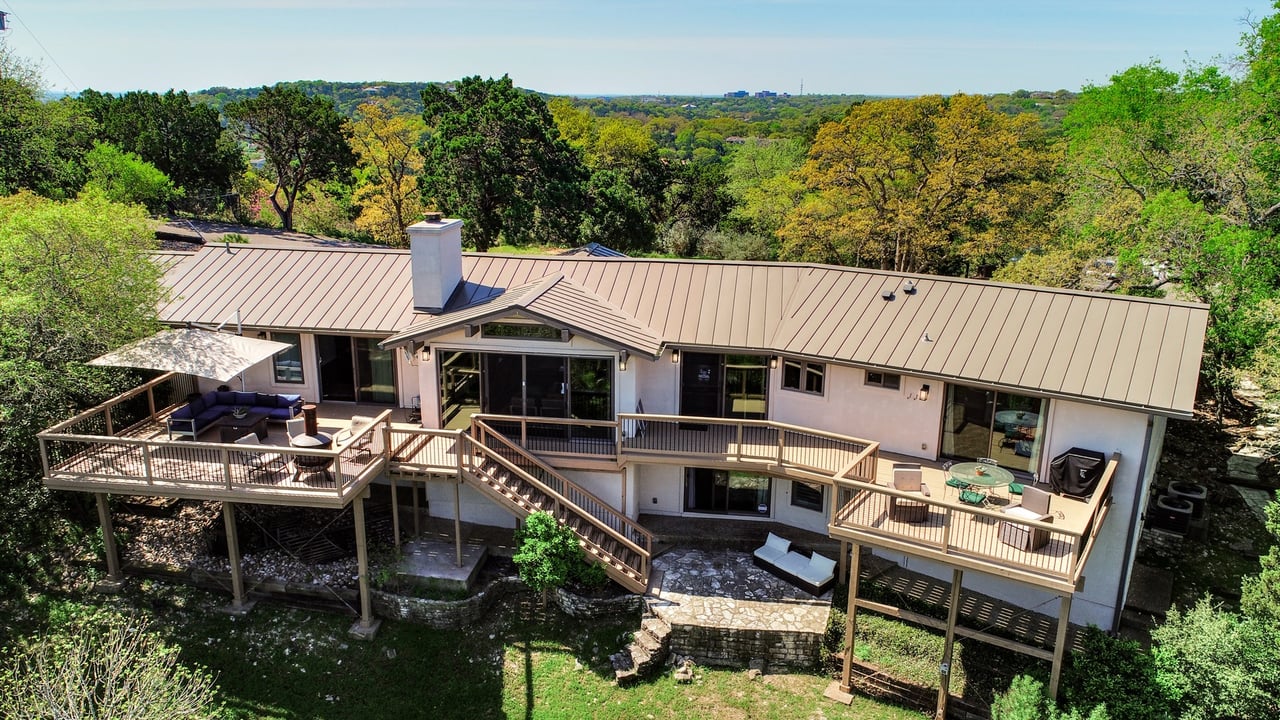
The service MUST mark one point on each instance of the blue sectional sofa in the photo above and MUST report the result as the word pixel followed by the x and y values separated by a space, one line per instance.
pixel 200 412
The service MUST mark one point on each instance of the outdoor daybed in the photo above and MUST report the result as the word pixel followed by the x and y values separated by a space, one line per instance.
pixel 203 411
pixel 815 574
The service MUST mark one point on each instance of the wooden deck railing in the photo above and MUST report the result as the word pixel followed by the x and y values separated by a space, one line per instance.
pixel 970 536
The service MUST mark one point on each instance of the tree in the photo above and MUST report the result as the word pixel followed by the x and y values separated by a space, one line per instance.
pixel 302 138
pixel 390 162
pixel 547 554
pixel 184 141
pixel 123 177
pixel 761 179
pixel 91 671
pixel 923 185
pixel 76 280
pixel 1260 594
pixel 41 143
pixel 495 159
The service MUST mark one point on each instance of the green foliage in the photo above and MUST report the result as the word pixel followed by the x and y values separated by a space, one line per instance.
pixel 302 138
pixel 1026 700
pixel 592 575
pixel 494 157
pixel 40 142
pixel 123 177
pixel 547 554
pixel 185 141
pixel 106 667
pixel 1260 595
pixel 1117 673
pixel 1213 663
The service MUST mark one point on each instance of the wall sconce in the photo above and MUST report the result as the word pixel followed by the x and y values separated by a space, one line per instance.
pixel 622 361
pixel 675 355
pixel 262 335
pixel 426 353
pixel 773 362
pixel 924 393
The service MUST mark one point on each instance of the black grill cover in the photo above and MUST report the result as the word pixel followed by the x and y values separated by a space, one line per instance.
pixel 1076 472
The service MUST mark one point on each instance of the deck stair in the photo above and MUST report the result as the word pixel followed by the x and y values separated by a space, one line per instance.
pixel 522 483
pixel 648 651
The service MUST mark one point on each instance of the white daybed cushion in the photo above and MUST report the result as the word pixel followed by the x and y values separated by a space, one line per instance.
pixel 818 570
pixel 773 549
pixel 793 563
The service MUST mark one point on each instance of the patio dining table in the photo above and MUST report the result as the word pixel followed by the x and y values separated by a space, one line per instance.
pixel 981 475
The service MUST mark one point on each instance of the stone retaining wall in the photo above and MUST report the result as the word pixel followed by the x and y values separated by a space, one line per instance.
pixel 453 614
pixel 731 647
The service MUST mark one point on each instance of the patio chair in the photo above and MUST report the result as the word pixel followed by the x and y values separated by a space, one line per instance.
pixel 987 461
pixel 907 477
pixel 363 443
pixel 295 427
pixel 952 483
pixel 260 462
pixel 1034 506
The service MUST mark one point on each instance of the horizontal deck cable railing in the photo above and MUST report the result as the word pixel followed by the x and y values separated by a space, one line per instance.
pixel 961 531
pixel 617 522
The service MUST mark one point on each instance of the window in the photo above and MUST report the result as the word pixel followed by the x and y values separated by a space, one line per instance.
pixel 807 495
pixel 288 363
pixel 803 376
pixel 726 492
pixel 525 332
pixel 888 381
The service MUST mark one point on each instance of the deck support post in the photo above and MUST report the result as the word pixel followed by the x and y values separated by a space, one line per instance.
pixel 843 566
pixel 239 606
pixel 417 519
pixel 944 669
pixel 115 578
pixel 395 511
pixel 1059 645
pixel 851 620
pixel 366 627
pixel 457 520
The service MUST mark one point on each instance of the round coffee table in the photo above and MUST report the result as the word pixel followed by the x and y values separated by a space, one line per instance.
pixel 982 475
pixel 312 463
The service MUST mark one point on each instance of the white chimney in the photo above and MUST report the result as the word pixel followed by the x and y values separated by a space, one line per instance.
pixel 435 251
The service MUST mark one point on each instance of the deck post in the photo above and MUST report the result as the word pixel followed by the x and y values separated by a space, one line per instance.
pixel 1059 645
pixel 944 669
pixel 457 519
pixel 366 627
pixel 851 621
pixel 114 579
pixel 843 567
pixel 395 511
pixel 238 604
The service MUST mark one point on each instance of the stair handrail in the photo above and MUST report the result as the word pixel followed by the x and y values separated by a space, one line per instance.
pixel 489 452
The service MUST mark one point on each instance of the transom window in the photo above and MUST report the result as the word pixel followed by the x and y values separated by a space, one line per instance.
pixel 888 381
pixel 522 331
pixel 804 376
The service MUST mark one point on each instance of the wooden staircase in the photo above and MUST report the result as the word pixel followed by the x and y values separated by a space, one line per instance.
pixel 521 482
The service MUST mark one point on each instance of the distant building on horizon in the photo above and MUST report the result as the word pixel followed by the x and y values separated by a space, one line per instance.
pixel 736 94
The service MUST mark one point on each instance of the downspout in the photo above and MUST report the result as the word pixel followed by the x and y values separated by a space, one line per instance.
pixel 1136 514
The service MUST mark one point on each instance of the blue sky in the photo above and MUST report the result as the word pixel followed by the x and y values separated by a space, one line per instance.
pixel 696 47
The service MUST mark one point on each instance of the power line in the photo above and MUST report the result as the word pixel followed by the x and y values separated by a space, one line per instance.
pixel 47 54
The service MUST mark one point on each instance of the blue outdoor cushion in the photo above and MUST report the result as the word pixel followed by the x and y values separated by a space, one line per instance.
pixel 264 400
pixel 287 401
pixel 182 413
pixel 196 406
pixel 226 398
pixel 210 414
pixel 245 398
pixel 279 413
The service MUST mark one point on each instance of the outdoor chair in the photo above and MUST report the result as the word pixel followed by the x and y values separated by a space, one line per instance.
pixel 987 461
pixel 1034 506
pixel 295 428
pixel 952 483
pixel 260 462
pixel 907 477
pixel 363 443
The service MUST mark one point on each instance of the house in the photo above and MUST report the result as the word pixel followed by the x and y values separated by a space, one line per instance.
pixel 611 387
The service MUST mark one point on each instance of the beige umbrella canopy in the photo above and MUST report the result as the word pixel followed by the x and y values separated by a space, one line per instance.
pixel 207 354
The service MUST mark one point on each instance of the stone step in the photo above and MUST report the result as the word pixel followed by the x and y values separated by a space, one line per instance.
pixel 657 628
pixel 651 644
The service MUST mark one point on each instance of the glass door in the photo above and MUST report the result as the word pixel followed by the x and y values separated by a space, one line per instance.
pixel 355 370
pixel 726 492
pixel 746 378
pixel 337 368
pixel 375 373
pixel 701 388
pixel 459 388
pixel 1004 427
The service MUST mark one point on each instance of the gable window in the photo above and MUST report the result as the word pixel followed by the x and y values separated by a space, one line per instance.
pixel 522 331
pixel 807 495
pixel 888 381
pixel 287 364
pixel 804 376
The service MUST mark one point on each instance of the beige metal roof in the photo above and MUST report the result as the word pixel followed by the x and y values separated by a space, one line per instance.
pixel 1112 349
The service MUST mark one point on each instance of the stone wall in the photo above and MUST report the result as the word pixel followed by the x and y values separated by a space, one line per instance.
pixel 453 614
pixel 731 647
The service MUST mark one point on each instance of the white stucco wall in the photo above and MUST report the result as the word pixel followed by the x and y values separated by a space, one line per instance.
pixel 476 508
pixel 896 418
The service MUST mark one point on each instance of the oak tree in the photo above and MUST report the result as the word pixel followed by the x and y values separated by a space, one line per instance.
pixel 388 145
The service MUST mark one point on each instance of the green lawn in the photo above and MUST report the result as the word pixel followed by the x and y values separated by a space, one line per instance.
pixel 278 662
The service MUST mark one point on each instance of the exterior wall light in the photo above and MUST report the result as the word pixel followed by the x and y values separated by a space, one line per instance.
pixel 426 353
pixel 773 362
pixel 675 355
pixel 924 393
pixel 622 361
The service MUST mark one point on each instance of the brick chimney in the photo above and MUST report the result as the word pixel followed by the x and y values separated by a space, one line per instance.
pixel 435 250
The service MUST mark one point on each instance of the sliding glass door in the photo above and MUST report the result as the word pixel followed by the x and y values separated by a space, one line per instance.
pixel 731 386
pixel 550 386
pixel 1007 428
pixel 355 370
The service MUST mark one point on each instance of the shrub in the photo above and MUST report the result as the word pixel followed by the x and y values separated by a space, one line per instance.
pixel 548 554
pixel 1214 663
pixel 1117 673
pixel 592 575
pixel 97 669
pixel 1025 700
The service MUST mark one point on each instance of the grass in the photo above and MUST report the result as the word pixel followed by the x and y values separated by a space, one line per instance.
pixel 278 662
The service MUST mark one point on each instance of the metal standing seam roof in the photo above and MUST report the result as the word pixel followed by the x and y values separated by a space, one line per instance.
pixel 1113 349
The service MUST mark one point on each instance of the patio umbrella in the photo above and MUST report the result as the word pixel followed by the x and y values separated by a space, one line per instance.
pixel 207 354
